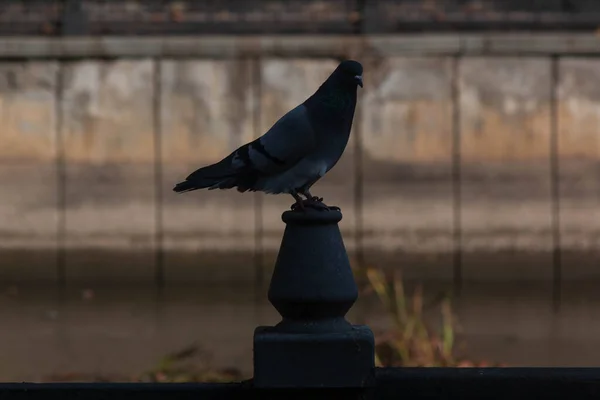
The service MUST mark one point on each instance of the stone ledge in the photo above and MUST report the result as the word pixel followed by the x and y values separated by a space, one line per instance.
pixel 327 46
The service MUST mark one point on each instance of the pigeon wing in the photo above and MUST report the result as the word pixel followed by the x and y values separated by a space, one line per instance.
pixel 289 140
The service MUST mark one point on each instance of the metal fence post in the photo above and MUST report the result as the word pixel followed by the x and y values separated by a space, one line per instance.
pixel 313 288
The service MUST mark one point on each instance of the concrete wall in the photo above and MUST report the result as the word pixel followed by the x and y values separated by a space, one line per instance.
pixel 473 159
pixel 447 153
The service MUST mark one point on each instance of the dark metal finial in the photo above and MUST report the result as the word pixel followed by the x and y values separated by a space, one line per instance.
pixel 313 288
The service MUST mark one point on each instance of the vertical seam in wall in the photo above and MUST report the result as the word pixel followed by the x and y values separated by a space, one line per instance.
pixel 159 274
pixel 259 268
pixel 61 181
pixel 359 26
pixel 456 178
pixel 555 187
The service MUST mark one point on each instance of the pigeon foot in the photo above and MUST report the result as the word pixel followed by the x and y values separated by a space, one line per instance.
pixel 315 203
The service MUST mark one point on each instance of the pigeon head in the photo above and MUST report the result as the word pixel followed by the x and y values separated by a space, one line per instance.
pixel 338 92
pixel 348 73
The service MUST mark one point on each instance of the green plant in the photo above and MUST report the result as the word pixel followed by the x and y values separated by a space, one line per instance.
pixel 410 341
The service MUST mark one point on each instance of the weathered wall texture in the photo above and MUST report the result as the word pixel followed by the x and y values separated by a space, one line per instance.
pixel 579 174
pixel 108 146
pixel 505 152
pixel 406 134
pixel 206 112
pixel 445 154
pixel 505 109
pixel 28 174
pixel 28 111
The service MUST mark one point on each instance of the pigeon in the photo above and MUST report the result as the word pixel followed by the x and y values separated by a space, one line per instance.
pixel 297 151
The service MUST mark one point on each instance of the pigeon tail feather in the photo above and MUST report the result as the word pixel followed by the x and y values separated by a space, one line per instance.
pixel 215 176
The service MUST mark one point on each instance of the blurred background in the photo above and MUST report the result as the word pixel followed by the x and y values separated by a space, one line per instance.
pixel 469 189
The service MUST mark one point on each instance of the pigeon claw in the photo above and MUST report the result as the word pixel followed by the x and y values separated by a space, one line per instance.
pixel 299 205
pixel 316 203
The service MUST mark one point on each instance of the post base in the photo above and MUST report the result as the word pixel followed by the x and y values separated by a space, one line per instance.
pixel 313 360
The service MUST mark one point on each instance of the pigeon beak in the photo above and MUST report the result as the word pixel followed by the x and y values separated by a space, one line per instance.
pixel 359 80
